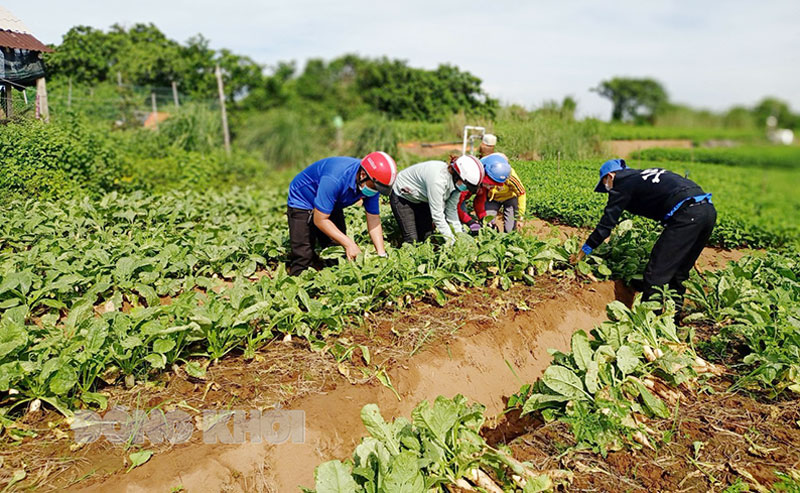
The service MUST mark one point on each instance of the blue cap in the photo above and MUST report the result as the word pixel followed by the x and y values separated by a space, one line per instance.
pixel 608 167
pixel 496 167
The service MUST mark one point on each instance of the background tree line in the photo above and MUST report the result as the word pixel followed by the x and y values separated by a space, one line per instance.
pixel 348 86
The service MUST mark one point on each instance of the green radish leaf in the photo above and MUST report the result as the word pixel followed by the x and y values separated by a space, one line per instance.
pixel 380 429
pixel 653 403
pixel 95 398
pixel 627 361
pixel 156 360
pixel 139 458
pixel 581 352
pixel 538 484
pixel 195 369
pixel 334 477
pixel 592 377
pixel 163 345
pixel 63 380
pixel 564 381
pixel 440 419
pixel 404 475
pixel 12 337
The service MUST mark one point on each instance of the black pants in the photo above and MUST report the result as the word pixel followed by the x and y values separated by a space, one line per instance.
pixel 414 219
pixel 677 249
pixel 303 236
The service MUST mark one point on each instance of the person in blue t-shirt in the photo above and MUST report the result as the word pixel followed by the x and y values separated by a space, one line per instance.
pixel 318 195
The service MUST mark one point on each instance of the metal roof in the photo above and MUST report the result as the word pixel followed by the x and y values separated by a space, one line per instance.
pixel 15 34
pixel 10 39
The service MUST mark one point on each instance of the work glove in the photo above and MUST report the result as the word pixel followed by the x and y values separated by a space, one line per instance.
pixel 474 226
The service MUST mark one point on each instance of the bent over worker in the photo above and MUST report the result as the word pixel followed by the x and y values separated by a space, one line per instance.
pixel 426 195
pixel 318 195
pixel 682 207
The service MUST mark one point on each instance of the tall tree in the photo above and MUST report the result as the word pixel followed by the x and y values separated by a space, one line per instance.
pixel 639 100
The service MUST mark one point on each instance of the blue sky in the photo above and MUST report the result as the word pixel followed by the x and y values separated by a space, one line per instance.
pixel 711 54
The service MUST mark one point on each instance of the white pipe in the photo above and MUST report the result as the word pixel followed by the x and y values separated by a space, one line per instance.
pixel 467 128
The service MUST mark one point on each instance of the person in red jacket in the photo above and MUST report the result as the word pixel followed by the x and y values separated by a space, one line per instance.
pixel 497 172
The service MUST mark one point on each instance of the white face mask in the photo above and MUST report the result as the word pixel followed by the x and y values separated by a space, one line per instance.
pixel 608 187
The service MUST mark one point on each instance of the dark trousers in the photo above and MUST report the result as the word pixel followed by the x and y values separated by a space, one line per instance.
pixel 303 236
pixel 510 208
pixel 414 219
pixel 677 249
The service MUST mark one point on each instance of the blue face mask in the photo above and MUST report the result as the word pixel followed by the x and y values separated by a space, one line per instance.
pixel 368 192
pixel 462 187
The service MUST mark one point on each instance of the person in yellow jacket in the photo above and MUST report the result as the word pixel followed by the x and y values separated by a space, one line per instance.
pixel 510 197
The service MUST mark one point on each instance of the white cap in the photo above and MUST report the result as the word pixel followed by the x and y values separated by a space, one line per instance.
pixel 489 140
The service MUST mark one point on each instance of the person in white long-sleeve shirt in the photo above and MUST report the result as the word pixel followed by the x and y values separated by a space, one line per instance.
pixel 426 195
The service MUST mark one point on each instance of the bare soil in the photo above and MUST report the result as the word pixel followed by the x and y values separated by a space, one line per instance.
pixel 624 148
pixel 426 150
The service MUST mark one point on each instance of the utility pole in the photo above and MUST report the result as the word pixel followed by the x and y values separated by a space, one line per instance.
pixel 155 109
pixel 175 94
pixel 225 133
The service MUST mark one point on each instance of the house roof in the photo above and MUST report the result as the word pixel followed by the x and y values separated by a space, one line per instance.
pixel 15 34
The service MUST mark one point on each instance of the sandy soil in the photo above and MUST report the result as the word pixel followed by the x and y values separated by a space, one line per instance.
pixel 624 148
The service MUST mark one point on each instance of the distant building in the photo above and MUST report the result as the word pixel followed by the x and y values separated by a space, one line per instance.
pixel 21 63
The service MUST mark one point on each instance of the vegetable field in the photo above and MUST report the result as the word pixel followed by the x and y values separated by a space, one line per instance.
pixel 125 292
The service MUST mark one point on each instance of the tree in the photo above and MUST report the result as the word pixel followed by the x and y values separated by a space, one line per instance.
pixel 85 54
pixel 639 100
pixel 771 106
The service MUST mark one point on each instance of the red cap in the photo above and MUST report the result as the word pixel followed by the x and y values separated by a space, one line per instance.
pixel 381 169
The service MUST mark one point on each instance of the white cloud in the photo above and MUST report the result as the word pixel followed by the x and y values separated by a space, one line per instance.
pixel 712 54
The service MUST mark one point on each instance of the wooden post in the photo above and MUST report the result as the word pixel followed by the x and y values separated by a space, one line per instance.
pixel 9 105
pixel 559 163
pixel 226 135
pixel 69 94
pixel 155 109
pixel 41 99
pixel 175 94
pixel 119 78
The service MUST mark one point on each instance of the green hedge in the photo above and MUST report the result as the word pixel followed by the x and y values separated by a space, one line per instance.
pixel 74 157
pixel 770 156
pixel 57 159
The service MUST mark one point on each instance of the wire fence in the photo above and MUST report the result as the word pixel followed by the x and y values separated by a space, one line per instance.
pixel 122 104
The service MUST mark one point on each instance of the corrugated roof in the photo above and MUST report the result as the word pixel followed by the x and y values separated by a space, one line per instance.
pixel 22 41
pixel 15 34
pixel 9 22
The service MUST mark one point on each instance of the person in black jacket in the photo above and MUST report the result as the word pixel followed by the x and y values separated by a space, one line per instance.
pixel 682 207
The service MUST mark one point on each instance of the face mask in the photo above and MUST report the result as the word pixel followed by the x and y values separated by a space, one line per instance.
pixel 608 187
pixel 462 187
pixel 368 192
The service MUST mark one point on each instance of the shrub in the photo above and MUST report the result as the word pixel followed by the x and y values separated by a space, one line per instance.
pixel 53 160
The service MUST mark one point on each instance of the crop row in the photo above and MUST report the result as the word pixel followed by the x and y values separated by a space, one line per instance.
pixel 619 131
pixel 129 286
pixel 765 156
pixel 633 368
